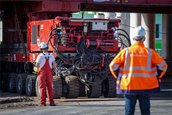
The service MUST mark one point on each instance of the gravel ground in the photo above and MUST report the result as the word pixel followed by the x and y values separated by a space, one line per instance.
pixel 12 100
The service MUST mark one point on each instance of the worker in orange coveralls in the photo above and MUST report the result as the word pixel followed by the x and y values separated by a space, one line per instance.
pixel 45 63
pixel 139 72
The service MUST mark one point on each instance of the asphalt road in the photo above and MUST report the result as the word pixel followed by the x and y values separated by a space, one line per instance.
pixel 90 107
pixel 161 104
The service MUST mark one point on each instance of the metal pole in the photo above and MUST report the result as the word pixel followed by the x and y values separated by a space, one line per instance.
pixel 148 22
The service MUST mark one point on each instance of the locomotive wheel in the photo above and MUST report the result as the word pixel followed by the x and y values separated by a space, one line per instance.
pixel 30 85
pixel 93 91
pixel 72 86
pixel 21 83
pixel 1 82
pixel 57 87
pixel 110 87
pixel 5 82
pixel 28 67
pixel 81 89
pixel 12 83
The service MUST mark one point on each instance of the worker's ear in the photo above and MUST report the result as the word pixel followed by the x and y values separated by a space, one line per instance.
pixel 144 39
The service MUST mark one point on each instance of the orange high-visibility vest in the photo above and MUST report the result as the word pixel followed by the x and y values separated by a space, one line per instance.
pixel 137 69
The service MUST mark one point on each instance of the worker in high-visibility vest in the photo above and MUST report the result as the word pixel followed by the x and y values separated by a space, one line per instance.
pixel 45 63
pixel 138 71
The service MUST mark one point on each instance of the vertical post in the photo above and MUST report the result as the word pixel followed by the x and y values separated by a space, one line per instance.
pixel 1 26
pixel 169 44
pixel 165 36
pixel 125 22
pixel 135 20
pixel 167 40
pixel 148 22
pixel 1 31
pixel 169 31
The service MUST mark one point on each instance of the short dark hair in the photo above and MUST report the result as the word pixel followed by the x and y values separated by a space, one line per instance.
pixel 44 48
pixel 139 38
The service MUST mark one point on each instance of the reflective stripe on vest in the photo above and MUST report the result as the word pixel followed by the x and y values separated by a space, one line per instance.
pixel 138 75
pixel 161 66
pixel 129 68
pixel 139 68
pixel 114 67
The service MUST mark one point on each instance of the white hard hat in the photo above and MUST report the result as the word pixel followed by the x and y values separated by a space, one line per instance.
pixel 140 32
pixel 43 45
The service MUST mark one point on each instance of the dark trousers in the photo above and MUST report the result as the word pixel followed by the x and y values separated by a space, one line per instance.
pixel 131 100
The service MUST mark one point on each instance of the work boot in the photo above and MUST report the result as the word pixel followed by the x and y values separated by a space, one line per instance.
pixel 52 104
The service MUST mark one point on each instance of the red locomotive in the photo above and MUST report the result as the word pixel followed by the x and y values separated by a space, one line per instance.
pixel 83 50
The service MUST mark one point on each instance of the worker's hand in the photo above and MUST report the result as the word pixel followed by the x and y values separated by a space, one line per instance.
pixel 36 69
